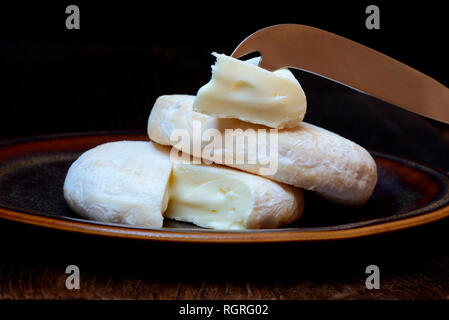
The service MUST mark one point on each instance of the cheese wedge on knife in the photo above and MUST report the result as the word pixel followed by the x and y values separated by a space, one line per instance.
pixel 242 90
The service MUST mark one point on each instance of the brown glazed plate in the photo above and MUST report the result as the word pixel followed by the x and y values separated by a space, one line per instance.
pixel 32 173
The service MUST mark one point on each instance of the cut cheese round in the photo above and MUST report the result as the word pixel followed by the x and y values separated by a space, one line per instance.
pixel 307 156
pixel 120 182
pixel 132 182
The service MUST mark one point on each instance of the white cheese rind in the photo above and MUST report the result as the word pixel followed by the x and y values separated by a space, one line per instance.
pixel 222 198
pixel 244 91
pixel 309 157
pixel 120 182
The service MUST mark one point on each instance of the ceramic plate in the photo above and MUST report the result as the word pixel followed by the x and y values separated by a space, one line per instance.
pixel 32 173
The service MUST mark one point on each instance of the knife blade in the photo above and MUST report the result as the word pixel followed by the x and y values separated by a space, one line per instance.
pixel 349 63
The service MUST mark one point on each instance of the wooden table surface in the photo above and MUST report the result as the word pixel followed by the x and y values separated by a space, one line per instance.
pixel 414 264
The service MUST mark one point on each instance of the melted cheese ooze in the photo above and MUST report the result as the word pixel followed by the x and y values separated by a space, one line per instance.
pixel 242 90
pixel 209 197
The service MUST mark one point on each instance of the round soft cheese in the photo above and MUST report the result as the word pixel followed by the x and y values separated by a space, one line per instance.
pixel 120 182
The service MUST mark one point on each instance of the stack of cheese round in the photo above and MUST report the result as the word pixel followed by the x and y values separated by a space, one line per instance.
pixel 140 183
pixel 245 98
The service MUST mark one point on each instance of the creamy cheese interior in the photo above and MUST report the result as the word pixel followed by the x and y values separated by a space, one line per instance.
pixel 209 197
pixel 242 90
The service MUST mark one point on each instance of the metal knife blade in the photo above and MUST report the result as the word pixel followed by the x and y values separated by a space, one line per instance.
pixel 349 63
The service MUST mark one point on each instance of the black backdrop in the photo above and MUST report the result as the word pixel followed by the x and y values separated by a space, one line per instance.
pixel 107 75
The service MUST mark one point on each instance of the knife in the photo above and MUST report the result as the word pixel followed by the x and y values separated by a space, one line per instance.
pixel 349 63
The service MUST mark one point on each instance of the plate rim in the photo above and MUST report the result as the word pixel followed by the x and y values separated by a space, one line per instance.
pixel 222 237
pixel 171 235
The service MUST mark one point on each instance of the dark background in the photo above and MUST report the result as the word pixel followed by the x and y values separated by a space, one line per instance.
pixel 107 75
